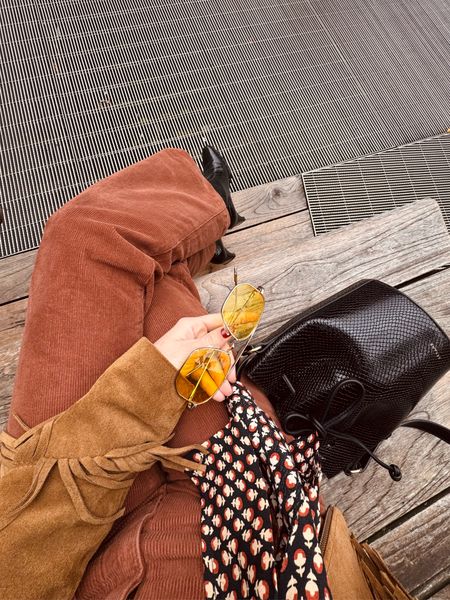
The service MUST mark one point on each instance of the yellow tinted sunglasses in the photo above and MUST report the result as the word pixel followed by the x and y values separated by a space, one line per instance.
pixel 205 369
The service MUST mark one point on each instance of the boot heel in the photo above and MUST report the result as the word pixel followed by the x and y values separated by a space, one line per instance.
pixel 240 219
pixel 222 256
pixel 235 218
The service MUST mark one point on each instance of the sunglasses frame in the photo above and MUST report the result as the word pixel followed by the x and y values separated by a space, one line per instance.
pixel 229 351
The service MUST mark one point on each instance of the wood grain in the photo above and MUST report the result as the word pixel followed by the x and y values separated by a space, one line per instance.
pixel 281 235
pixel 270 200
pixel 418 550
pixel 12 320
pixel 395 247
pixel 15 275
pixel 442 594
pixel 432 293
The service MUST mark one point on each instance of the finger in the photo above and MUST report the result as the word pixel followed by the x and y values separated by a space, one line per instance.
pixel 215 338
pixel 211 374
pixel 219 396
pixel 232 377
pixel 243 323
pixel 219 376
pixel 218 368
pixel 207 383
pixel 206 322
pixel 226 388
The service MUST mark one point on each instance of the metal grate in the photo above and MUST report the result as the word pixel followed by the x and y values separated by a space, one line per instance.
pixel 281 86
pixel 348 192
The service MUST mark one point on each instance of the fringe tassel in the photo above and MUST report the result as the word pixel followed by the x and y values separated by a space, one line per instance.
pixel 115 470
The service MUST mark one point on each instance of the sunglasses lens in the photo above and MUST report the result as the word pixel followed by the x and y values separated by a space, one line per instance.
pixel 242 310
pixel 202 374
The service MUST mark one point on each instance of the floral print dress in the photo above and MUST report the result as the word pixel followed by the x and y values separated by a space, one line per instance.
pixel 260 514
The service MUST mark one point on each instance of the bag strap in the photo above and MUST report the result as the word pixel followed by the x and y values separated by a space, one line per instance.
pixel 439 431
pixel 435 429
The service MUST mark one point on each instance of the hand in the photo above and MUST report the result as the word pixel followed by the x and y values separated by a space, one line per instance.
pixel 191 333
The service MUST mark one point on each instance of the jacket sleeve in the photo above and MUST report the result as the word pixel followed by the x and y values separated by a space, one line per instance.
pixel 64 482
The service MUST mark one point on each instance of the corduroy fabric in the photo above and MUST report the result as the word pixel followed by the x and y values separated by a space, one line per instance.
pixel 94 289
pixel 115 264
pixel 165 547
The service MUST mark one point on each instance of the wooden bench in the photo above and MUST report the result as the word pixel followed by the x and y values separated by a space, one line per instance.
pixel 408 521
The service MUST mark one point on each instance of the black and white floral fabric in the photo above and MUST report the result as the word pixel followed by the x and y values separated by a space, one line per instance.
pixel 260 513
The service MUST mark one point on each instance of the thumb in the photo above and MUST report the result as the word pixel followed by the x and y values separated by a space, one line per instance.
pixel 217 338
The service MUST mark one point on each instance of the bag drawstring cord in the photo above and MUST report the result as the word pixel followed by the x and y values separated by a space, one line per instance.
pixel 349 415
pixel 324 431
pixel 393 469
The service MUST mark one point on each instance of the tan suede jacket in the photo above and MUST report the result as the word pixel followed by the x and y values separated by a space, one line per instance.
pixel 64 482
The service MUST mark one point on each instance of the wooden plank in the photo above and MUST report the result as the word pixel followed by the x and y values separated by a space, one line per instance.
pixel 12 320
pixel 418 550
pixel 442 594
pixel 395 246
pixel 280 235
pixel 270 201
pixel 433 294
pixel 258 204
pixel 15 275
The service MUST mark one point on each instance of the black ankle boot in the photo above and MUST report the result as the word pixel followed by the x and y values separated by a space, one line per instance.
pixel 222 256
pixel 217 172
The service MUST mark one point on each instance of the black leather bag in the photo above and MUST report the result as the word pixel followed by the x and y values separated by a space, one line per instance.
pixel 352 367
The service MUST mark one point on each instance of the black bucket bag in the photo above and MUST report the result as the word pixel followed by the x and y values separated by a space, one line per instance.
pixel 352 368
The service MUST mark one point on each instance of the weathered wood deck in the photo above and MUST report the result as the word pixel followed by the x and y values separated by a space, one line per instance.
pixel 408 522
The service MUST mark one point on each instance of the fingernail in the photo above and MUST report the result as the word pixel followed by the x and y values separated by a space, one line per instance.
pixel 224 333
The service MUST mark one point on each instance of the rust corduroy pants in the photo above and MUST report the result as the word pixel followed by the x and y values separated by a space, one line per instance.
pixel 114 264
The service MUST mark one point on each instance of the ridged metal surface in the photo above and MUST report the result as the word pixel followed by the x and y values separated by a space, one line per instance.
pixel 281 86
pixel 348 192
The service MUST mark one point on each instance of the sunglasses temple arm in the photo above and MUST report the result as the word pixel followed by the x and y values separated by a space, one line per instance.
pixel 244 347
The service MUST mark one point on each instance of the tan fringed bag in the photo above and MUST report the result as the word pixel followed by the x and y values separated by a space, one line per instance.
pixel 355 571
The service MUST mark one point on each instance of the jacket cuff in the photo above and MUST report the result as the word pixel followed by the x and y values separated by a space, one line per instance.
pixel 132 402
